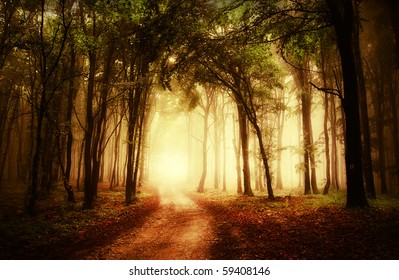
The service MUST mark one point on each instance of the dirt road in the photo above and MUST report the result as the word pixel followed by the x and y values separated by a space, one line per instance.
pixel 178 229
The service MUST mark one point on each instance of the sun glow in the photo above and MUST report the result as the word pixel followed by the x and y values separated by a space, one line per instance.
pixel 169 159
pixel 176 141
pixel 170 167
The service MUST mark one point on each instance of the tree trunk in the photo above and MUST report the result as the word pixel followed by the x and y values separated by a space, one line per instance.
pixel 265 162
pixel 308 156
pixel 280 128
pixel 380 120
pixel 204 149
pixel 395 129
pixel 216 142
pixel 237 152
pixel 133 99
pixel 89 189
pixel 140 127
pixel 324 61
pixel 224 120
pixel 189 149
pixel 114 173
pixel 255 164
pixel 306 142
pixel 35 165
pixel 313 180
pixel 242 121
pixel 364 116
pixel 326 145
pixel 394 11
pixel 144 150
pixel 299 170
pixel 72 92
pixel 343 22
pixel 334 158
pixel 138 71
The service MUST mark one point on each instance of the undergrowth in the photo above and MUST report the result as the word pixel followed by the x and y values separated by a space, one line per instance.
pixel 57 220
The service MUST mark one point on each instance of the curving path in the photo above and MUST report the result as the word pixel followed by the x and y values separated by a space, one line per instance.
pixel 178 229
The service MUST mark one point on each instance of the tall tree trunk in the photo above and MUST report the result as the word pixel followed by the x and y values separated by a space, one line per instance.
pixel 144 150
pixel 130 151
pixel 255 164
pixel 72 92
pixel 280 128
pixel 306 142
pixel 89 189
pixel 140 128
pixel 324 59
pixel 36 157
pixel 393 6
pixel 243 128
pixel 81 157
pixel 364 116
pixel 138 72
pixel 133 101
pixel 313 179
pixel 326 145
pixel 114 173
pixel 334 161
pixel 342 18
pixel 224 120
pixel 380 120
pixel 307 130
pixel 204 148
pixel 216 142
pixel 189 149
pixel 99 133
pixel 395 129
pixel 299 127
pixel 237 152
pixel 8 117
pixel 265 162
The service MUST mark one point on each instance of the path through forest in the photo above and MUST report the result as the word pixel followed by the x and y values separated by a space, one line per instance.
pixel 178 229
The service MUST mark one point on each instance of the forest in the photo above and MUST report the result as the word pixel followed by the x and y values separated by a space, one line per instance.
pixel 271 115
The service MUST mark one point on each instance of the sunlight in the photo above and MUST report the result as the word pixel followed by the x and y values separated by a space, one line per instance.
pixel 170 167
pixel 169 159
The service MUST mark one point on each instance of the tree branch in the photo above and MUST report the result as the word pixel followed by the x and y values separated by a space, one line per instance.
pixel 332 91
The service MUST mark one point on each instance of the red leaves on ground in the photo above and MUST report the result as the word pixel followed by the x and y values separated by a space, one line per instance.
pixel 255 228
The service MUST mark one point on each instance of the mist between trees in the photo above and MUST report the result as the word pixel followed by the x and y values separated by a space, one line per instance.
pixel 232 95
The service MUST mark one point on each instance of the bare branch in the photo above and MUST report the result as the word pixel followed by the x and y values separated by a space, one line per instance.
pixel 332 91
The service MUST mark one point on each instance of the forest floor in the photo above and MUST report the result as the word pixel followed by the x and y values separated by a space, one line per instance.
pixel 177 229
pixel 189 225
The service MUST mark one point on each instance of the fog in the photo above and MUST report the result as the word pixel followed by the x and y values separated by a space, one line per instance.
pixel 176 137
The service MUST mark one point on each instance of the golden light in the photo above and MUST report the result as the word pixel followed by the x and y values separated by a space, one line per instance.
pixel 170 167
pixel 169 158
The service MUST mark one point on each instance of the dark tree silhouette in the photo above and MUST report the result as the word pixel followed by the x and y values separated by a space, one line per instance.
pixel 344 22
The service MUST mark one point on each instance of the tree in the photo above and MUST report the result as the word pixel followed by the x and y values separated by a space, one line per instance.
pixel 281 107
pixel 237 153
pixel 11 26
pixel 310 182
pixel 343 20
pixel 205 104
pixel 216 140
pixel 324 57
pixel 300 51
pixel 302 18
pixel 232 68
pixel 48 56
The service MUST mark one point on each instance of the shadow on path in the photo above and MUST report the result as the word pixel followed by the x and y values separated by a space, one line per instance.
pixel 178 229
